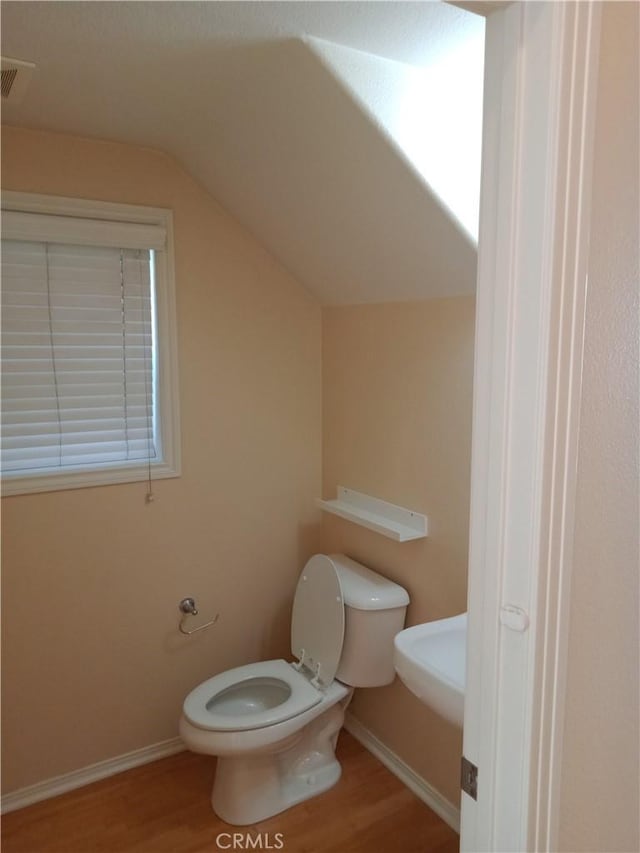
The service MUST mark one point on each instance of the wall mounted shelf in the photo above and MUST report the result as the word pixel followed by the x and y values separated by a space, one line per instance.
pixel 390 520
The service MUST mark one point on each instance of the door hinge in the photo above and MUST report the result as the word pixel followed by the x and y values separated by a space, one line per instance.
pixel 469 778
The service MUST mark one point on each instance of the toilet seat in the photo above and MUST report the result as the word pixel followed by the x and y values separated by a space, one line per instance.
pixel 199 708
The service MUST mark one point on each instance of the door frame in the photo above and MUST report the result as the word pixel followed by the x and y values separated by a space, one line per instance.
pixel 539 123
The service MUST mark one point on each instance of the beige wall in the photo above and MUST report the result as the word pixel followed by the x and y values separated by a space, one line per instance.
pixel 92 577
pixel 93 664
pixel 397 394
pixel 599 800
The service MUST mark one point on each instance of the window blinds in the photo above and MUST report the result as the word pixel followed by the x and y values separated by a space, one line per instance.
pixel 77 355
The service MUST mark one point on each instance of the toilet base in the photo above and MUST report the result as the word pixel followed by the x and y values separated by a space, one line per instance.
pixel 251 788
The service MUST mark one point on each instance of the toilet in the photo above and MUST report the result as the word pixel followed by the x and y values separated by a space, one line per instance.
pixel 274 725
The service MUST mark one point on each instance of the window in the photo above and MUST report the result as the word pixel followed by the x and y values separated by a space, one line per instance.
pixel 89 379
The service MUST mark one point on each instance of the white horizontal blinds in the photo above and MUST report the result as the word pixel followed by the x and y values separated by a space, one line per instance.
pixel 77 356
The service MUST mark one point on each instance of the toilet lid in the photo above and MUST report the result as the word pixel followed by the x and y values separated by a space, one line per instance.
pixel 317 620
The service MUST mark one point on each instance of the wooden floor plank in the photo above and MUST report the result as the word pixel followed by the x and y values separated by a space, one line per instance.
pixel 164 807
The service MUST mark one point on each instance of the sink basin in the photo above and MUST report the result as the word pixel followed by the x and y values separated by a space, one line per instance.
pixel 430 660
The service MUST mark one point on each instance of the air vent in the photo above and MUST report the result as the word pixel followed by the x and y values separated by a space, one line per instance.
pixel 15 75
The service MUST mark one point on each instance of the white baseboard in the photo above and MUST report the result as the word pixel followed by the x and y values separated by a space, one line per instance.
pixel 422 789
pixel 78 778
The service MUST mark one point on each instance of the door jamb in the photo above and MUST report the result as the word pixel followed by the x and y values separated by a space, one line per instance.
pixel 540 92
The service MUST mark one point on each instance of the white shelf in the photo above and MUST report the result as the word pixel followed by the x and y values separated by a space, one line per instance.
pixel 390 520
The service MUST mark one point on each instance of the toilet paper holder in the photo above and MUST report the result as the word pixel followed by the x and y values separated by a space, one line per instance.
pixel 188 608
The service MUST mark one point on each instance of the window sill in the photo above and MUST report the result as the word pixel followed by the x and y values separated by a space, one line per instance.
pixel 43 482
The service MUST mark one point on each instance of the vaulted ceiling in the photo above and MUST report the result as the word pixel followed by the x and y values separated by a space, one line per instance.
pixel 285 112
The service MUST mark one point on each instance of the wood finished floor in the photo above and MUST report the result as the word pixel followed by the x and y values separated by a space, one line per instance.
pixel 164 808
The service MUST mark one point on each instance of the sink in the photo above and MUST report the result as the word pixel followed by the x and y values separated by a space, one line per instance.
pixel 430 660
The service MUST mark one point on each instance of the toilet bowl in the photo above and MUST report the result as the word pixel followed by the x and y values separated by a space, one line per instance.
pixel 274 725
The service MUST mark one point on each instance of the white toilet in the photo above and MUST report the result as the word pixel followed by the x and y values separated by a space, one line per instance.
pixel 274 725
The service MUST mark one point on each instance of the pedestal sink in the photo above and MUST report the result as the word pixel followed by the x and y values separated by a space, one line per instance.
pixel 430 660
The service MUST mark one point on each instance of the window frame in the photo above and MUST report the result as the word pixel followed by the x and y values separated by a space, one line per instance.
pixel 168 463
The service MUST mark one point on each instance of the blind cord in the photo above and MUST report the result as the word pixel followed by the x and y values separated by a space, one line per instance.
pixel 53 355
pixel 123 320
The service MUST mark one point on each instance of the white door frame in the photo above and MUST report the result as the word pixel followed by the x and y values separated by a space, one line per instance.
pixel 541 78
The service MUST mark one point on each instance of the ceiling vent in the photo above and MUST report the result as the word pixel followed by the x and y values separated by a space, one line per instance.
pixel 15 76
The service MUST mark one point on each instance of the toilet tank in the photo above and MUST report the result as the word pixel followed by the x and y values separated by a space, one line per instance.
pixel 375 609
